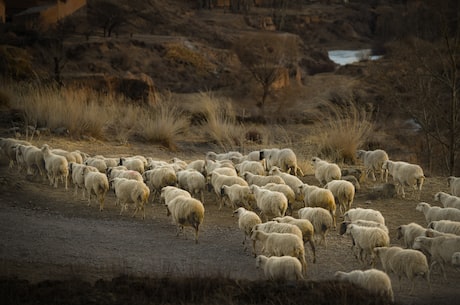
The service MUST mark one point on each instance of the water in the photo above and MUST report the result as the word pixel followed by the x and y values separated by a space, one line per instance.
pixel 344 57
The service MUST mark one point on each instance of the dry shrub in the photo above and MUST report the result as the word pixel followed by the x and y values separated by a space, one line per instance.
pixel 182 54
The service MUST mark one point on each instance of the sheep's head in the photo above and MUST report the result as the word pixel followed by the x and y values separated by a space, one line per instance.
pixel 422 206
pixel 437 196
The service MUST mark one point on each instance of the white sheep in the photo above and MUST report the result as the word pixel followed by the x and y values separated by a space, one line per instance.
pixel 447 200
pixel 78 177
pixel 285 189
pixel 56 166
pixel 7 147
pixel 284 268
pixel 158 178
pixel 454 184
pixel 409 232
pixel 305 226
pixel 275 226
pixel 186 211
pixel 325 171
pixel 446 226
pixel 246 222
pixel 238 195
pixel 282 244
pixel 33 159
pixel 192 181
pixel 261 180
pixel 270 203
pixel 373 280
pixel 365 214
pixel 363 223
pixel 211 165
pixel 168 193
pixel 321 220
pixel 222 156
pixel 438 213
pixel 131 191
pixel 71 156
pixel 291 180
pixel 178 164
pixel 405 174
pixel 109 161
pixel 366 239
pixel 252 156
pixel 344 193
pixel 114 172
pixel 373 162
pixel 440 249
pixel 218 181
pixel 255 167
pixel 314 196
pixel 285 159
pixel 95 183
pixel 198 165
pixel 134 163
pixel 406 263
pixel 97 163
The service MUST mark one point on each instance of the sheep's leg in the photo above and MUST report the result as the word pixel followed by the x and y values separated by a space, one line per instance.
pixel 313 249
pixel 89 197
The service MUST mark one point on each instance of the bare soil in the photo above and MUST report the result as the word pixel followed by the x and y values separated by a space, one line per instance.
pixel 47 233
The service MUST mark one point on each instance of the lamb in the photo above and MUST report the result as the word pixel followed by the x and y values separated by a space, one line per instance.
pixel 288 179
pixel 131 191
pixel 218 181
pixel 254 167
pixel 158 178
pixel 186 211
pixel 454 184
pixel 344 193
pixel 366 239
pixel 438 213
pixel 285 159
pixel 314 196
pixel 446 226
pixel 305 226
pixel 373 280
pixel 365 214
pixel 321 220
pixel 270 203
pixel 285 189
pixel 56 166
pixel 440 248
pixel 409 232
pixel 71 156
pixel 405 174
pixel 325 171
pixel 246 222
pixel 78 177
pixel 192 181
pixel 261 180
pixel 406 263
pixel 282 244
pixel 447 200
pixel 113 172
pixel 168 193
pixel 95 183
pixel 373 161
pixel 134 163
pixel 97 163
pixel 280 268
pixel 238 195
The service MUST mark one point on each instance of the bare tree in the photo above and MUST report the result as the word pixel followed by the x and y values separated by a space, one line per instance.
pixel 107 14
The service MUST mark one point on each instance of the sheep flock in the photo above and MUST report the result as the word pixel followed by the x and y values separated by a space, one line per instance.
pixel 227 180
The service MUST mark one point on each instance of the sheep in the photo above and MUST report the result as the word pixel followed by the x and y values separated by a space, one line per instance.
pixel 218 180
pixel 134 163
pixel 238 195
pixel 178 164
pixel 446 226
pixel 406 263
pixel 321 220
pixel 152 164
pixel 280 268
pixel 71 156
pixel 168 193
pixel 56 166
pixel 373 161
pixel 344 193
pixel 373 280
pixel 434 233
pixel 158 178
pixel 305 226
pixel 365 214
pixel 33 159
pixel 192 181
pixel 97 163
pixel 314 196
pixel 353 180
pixel 246 222
pixel 274 226
pixel 285 159
pixel 113 172
pixel 405 174
pixel 198 165
pixel 186 211
pixel 456 259
pixel 222 156
pixel 285 189
pixel 211 165
pixel 255 167
pixel 366 239
pixel 447 200
pixel 454 184
pixel 409 232
pixel 109 162
pixel 78 177
pixel 362 223
pixel 270 203
pixel 7 146
pixel 325 171
pixel 440 249
pixel 438 213
pixel 355 172
pixel 261 180
pixel 95 183
pixel 130 191
pixel 282 244
pixel 252 156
